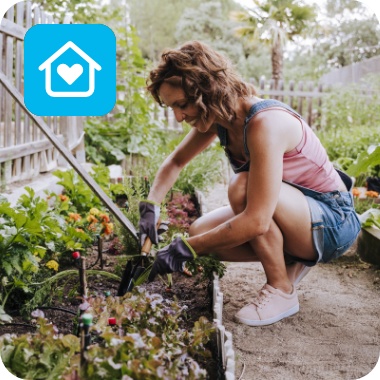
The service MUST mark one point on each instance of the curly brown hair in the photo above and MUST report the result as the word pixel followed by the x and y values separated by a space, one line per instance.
pixel 207 78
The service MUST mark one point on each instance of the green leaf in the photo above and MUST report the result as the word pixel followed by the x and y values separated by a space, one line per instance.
pixel 4 318
pixel 363 162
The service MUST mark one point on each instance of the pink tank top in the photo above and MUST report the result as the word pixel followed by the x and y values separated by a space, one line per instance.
pixel 308 164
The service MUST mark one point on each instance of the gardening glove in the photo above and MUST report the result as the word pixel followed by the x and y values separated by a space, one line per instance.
pixel 172 258
pixel 149 215
pixel 162 228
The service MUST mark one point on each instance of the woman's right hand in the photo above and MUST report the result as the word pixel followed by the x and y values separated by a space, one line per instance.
pixel 149 215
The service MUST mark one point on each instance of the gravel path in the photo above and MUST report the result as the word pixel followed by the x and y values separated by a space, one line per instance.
pixel 334 336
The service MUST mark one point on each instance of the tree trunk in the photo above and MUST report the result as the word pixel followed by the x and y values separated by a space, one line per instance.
pixel 277 62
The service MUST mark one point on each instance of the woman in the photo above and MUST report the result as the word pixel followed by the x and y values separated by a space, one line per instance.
pixel 289 208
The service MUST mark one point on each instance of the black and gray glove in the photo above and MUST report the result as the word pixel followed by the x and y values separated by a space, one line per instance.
pixel 172 258
pixel 149 215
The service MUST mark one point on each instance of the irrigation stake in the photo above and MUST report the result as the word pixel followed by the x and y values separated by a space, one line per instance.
pixel 82 277
pixel 100 251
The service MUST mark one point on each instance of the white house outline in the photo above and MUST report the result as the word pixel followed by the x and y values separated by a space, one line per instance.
pixel 67 94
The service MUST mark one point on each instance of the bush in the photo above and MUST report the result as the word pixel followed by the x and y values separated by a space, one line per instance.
pixel 350 120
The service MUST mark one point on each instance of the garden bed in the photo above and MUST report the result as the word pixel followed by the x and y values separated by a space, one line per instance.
pixel 190 297
pixel 193 295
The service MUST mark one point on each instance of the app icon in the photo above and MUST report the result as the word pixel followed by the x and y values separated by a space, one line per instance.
pixel 70 70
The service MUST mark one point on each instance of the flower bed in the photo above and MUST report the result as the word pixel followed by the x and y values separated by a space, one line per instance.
pixel 66 225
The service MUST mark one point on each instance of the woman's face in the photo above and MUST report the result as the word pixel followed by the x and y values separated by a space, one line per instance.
pixel 174 97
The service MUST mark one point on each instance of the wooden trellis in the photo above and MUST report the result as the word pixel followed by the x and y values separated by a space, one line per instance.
pixel 24 150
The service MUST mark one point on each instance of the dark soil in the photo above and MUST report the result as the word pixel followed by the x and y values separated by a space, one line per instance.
pixel 187 291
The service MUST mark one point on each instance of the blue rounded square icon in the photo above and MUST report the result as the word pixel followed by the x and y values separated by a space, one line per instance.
pixel 70 70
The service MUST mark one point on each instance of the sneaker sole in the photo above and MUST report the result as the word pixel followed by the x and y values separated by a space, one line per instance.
pixel 303 273
pixel 269 321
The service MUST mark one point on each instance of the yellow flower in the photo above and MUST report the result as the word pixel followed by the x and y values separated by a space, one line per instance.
pixel 52 264
pixel 94 211
pixel 92 219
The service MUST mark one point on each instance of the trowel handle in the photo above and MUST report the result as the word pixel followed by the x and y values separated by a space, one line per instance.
pixel 145 250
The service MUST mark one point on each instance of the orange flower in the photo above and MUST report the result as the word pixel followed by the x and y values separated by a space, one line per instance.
pixel 74 216
pixel 104 218
pixel 372 194
pixel 63 198
pixel 92 227
pixel 355 192
pixel 108 228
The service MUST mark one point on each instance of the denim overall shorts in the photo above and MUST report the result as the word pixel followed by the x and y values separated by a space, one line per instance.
pixel 334 222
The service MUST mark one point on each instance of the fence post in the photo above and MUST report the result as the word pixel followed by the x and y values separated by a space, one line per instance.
pixel 300 99
pixel 291 89
pixel 310 105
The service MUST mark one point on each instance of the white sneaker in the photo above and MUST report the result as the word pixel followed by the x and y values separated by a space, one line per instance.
pixel 270 306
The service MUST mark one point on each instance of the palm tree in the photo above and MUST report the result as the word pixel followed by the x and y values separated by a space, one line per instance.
pixel 274 22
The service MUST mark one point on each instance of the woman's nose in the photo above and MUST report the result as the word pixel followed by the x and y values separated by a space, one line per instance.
pixel 179 115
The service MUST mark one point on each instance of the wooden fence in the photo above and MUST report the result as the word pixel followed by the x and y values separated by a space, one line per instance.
pixel 24 151
pixel 305 98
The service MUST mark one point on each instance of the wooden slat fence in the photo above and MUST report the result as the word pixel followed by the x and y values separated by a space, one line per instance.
pixel 24 150
pixel 305 98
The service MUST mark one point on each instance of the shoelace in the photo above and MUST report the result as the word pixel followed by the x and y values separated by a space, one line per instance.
pixel 262 299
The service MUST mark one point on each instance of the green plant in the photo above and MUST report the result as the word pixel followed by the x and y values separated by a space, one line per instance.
pixel 373 220
pixel 77 197
pixel 350 120
pixel 149 342
pixel 366 162
pixel 28 236
pixel 44 355
pixel 131 127
pixel 209 265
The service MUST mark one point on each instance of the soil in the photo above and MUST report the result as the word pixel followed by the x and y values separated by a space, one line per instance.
pixel 334 336
pixel 187 291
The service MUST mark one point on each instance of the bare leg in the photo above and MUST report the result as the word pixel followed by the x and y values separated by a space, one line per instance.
pixel 290 231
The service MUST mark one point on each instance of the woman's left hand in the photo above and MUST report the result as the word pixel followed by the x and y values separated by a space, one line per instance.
pixel 172 258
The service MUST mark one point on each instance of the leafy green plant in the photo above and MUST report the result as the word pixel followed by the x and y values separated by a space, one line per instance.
pixel 209 265
pixel 201 172
pixel 148 343
pixel 365 162
pixel 28 236
pixel 131 127
pixel 44 355
pixel 77 197
pixel 350 120
pixel 373 219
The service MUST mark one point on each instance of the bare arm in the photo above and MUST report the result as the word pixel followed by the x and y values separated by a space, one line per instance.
pixel 267 141
pixel 193 144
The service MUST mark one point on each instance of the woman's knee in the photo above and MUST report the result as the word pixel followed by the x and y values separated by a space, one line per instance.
pixel 237 192
pixel 195 228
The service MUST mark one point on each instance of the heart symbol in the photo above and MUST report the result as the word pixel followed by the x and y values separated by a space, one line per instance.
pixel 70 74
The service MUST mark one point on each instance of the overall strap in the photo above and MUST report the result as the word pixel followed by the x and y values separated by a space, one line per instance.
pixel 222 134
pixel 262 105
